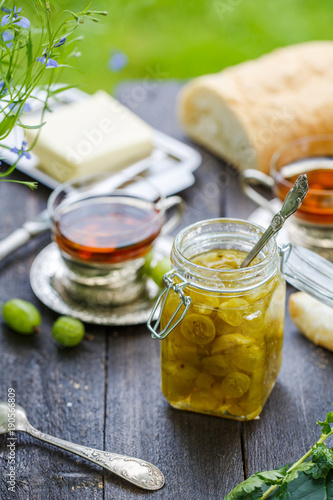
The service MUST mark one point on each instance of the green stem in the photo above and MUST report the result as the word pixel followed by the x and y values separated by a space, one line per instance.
pixel 31 185
pixel 322 438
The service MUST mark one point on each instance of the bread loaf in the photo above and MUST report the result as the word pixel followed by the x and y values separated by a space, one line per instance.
pixel 245 112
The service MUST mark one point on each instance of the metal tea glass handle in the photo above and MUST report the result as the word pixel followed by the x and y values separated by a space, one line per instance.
pixel 250 177
pixel 136 471
pixel 22 235
pixel 170 202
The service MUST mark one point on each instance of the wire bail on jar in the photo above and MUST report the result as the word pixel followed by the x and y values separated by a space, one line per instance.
pixel 185 301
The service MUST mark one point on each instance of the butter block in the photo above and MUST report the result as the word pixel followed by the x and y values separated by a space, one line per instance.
pixel 94 135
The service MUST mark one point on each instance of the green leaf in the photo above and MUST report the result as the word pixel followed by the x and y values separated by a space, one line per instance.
pixel 62 89
pixel 6 125
pixel 270 477
pixel 326 428
pixel 304 487
pixel 329 417
pixel 254 487
pixel 29 58
pixel 31 127
pixel 250 489
pixel 297 485
pixel 303 467
pixel 307 479
pixel 323 461
pixel 283 493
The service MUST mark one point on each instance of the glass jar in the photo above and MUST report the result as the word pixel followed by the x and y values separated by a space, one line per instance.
pixel 222 328
pixel 224 356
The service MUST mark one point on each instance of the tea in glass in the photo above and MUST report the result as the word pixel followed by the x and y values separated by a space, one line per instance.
pixel 104 227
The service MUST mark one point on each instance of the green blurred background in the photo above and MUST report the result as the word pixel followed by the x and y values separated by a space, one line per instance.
pixel 186 38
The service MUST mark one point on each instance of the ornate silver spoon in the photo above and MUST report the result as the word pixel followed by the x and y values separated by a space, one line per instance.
pixel 134 470
pixel 291 203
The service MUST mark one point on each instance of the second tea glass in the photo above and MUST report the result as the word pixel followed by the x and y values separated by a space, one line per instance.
pixel 312 225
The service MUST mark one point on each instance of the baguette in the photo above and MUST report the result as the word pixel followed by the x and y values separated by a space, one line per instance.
pixel 245 112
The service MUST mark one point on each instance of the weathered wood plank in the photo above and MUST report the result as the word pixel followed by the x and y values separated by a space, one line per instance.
pixel 61 390
pixel 303 392
pixel 199 455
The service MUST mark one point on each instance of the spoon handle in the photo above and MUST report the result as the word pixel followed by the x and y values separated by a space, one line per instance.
pixel 136 471
pixel 292 202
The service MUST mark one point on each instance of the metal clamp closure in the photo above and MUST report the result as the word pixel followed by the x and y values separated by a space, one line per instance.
pixel 284 251
pixel 185 302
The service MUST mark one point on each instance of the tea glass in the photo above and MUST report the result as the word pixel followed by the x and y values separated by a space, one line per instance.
pixel 105 227
pixel 312 225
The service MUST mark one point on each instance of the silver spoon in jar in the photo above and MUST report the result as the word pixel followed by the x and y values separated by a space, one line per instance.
pixel 292 202
pixel 136 471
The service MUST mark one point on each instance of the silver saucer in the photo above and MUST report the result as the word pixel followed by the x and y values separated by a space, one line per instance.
pixel 44 268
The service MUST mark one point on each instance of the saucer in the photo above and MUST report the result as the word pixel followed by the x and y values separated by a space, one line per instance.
pixel 42 275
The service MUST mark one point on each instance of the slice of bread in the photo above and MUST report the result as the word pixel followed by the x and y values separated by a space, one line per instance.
pixel 312 318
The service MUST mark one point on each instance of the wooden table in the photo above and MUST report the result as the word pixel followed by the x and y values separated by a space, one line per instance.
pixel 106 393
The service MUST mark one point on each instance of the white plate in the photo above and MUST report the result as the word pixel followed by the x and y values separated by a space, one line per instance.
pixel 170 166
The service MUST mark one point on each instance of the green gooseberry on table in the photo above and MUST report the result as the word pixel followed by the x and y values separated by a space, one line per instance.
pixel 24 318
pixel 68 331
pixel 21 316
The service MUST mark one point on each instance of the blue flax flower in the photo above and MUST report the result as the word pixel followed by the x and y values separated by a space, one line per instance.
pixel 46 60
pixel 14 106
pixel 61 42
pixel 15 18
pixel 117 61
pixel 21 152
pixel 7 37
